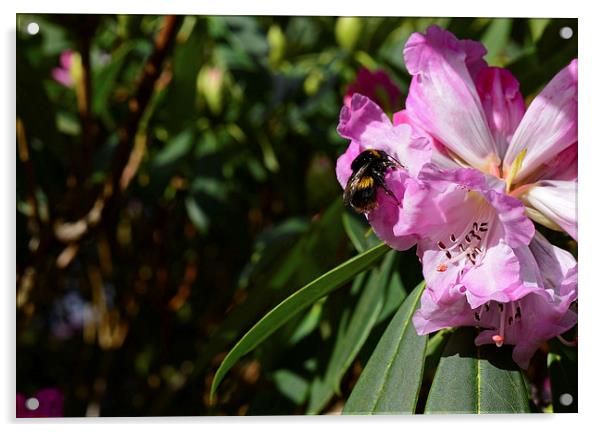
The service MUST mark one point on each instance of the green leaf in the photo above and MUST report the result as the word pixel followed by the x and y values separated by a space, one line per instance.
pixel 360 234
pixel 351 338
pixel 294 304
pixel 104 79
pixel 175 149
pixel 476 380
pixel 196 214
pixel 291 385
pixel 391 381
pixel 354 327
pixel 496 40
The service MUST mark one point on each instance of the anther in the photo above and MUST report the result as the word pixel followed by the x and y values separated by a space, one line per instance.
pixel 467 238
pixel 501 305
pixel 475 226
pixel 487 306
pixel 452 238
pixel 510 320
pixel 477 316
pixel 441 245
pixel 517 315
pixel 448 254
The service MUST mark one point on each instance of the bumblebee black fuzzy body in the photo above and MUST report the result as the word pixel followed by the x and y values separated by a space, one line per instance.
pixel 369 169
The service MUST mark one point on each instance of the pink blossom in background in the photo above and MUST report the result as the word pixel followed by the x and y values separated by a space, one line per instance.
pixel 480 166
pixel 377 86
pixel 49 404
pixel 62 74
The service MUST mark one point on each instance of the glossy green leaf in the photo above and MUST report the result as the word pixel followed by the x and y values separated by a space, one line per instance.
pixel 391 380
pixel 351 339
pixel 295 304
pixel 476 380
pixel 354 327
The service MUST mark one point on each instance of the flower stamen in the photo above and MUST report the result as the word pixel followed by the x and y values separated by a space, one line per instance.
pixel 466 247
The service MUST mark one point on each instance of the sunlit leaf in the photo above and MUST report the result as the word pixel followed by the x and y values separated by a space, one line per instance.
pixel 391 380
pixel 295 304
pixel 476 380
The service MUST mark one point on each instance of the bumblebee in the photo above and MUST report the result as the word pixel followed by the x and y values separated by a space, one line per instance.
pixel 368 174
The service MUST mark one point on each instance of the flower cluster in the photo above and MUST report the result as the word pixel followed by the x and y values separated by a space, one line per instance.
pixel 480 167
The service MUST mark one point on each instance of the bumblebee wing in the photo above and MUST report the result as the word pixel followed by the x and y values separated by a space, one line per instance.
pixel 352 184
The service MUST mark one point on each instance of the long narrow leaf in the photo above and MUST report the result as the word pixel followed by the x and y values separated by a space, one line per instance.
pixel 391 381
pixel 295 304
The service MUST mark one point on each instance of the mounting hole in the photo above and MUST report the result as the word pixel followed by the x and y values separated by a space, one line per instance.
pixel 566 32
pixel 32 404
pixel 566 399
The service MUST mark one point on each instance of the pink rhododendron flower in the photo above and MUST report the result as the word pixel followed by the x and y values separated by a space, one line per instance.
pixel 377 86
pixel 475 172
pixel 474 116
pixel 48 403
pixel 62 74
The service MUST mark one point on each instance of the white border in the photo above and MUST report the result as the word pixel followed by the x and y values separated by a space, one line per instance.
pixel 589 201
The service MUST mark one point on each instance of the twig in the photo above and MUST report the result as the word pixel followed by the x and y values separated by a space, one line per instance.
pixel 111 190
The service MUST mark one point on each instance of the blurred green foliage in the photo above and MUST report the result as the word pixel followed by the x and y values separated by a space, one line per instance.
pixel 232 205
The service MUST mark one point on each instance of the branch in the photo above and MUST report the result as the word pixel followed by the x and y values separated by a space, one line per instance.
pixel 70 232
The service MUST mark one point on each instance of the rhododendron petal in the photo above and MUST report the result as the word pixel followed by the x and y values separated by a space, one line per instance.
pixel 396 224
pixel 549 125
pixel 440 310
pixel 443 99
pixel 503 104
pixel 343 168
pixel 440 155
pixel 556 200
pixel 365 122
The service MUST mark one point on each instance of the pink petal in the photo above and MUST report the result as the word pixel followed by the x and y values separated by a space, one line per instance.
pixel 440 156
pixel 518 228
pixel 443 99
pixel 549 125
pixel 366 123
pixel 66 59
pixel 558 268
pixel 562 167
pixel 344 161
pixel 439 311
pixel 495 278
pixel 62 76
pixel 557 200
pixel 396 224
pixel 457 208
pixel 503 104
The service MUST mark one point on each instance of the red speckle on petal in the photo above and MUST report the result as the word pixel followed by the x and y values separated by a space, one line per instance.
pixel 441 267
